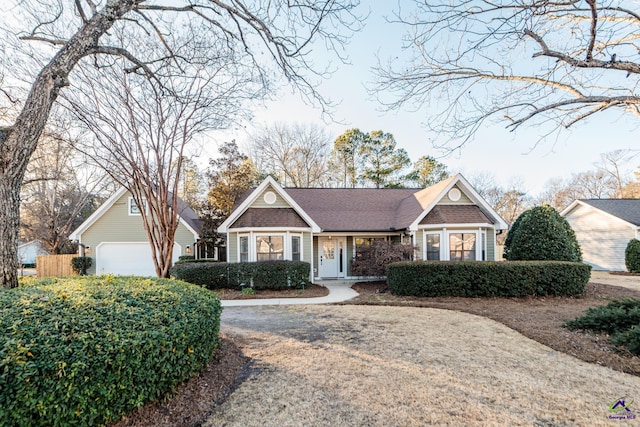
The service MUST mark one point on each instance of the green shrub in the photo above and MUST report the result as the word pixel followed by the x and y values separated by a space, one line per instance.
pixel 80 264
pixel 632 256
pixel 487 279
pixel 258 275
pixel 542 234
pixel 85 351
pixel 620 319
pixel 629 339
pixel 614 317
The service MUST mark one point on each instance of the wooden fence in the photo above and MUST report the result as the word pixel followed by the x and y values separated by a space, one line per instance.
pixel 54 265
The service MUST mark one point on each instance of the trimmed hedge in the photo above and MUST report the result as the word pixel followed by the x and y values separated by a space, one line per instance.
pixel 258 275
pixel 487 279
pixel 87 350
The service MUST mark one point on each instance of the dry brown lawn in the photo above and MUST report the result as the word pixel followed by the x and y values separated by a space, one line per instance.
pixel 407 366
pixel 405 362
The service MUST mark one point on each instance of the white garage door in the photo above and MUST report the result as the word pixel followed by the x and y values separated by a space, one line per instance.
pixel 127 259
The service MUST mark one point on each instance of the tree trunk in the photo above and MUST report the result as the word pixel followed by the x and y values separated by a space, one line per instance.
pixel 9 223
pixel 18 143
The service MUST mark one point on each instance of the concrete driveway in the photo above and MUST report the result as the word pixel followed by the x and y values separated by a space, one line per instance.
pixel 606 278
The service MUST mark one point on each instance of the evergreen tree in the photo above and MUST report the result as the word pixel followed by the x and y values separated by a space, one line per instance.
pixel 542 234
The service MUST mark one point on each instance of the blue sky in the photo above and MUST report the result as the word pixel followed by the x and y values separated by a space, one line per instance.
pixel 506 155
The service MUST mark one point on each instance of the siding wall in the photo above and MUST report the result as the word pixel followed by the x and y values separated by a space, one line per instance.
pixel 116 225
pixel 491 249
pixel 232 247
pixel 602 238
pixel 464 200
pixel 260 203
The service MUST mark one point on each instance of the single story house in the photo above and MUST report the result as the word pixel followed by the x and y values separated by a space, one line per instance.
pixel 326 226
pixel 29 251
pixel 118 242
pixel 603 228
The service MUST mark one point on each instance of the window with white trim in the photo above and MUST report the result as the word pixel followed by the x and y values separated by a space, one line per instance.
pixel 269 248
pixel 462 246
pixel 133 207
pixel 295 248
pixel 433 247
pixel 244 248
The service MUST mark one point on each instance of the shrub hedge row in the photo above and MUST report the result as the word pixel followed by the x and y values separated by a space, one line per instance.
pixel 620 319
pixel 258 275
pixel 86 350
pixel 487 279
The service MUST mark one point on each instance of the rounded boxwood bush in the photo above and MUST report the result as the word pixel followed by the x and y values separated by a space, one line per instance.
pixel 87 350
pixel 542 234
pixel 632 256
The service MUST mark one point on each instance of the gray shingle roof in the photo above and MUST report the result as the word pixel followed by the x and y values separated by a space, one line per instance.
pixel 352 209
pixel 625 209
pixel 189 216
pixel 372 209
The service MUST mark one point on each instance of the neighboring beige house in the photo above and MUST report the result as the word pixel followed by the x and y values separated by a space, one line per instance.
pixel 117 240
pixel 326 226
pixel 603 228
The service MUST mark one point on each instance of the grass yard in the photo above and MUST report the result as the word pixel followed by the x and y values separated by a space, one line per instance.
pixel 407 364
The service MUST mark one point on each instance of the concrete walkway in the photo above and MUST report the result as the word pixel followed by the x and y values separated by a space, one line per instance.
pixel 338 292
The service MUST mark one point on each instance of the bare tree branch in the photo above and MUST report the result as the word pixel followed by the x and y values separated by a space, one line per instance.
pixel 550 64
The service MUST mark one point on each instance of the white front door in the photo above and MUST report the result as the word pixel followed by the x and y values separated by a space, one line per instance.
pixel 331 257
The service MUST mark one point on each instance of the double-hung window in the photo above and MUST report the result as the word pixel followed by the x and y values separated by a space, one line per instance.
pixel 295 248
pixel 244 248
pixel 433 247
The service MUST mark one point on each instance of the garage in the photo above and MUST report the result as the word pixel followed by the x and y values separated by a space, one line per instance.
pixel 127 259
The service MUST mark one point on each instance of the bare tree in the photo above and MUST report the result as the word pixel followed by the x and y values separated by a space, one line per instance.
pixel 615 165
pixel 509 201
pixel 592 184
pixel 539 62
pixel 45 41
pixel 60 190
pixel 295 154
pixel 142 128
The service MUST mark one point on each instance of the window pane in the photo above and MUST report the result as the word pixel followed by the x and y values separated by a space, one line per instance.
pixel 269 248
pixel 462 246
pixel 433 247
pixel 295 248
pixel 244 249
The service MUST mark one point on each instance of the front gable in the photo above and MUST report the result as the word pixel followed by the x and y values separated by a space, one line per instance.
pixel 596 218
pixel 455 201
pixel 268 206
pixel 117 219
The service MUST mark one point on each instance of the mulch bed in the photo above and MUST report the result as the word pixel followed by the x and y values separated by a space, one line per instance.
pixel 193 401
pixel 540 319
pixel 311 291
